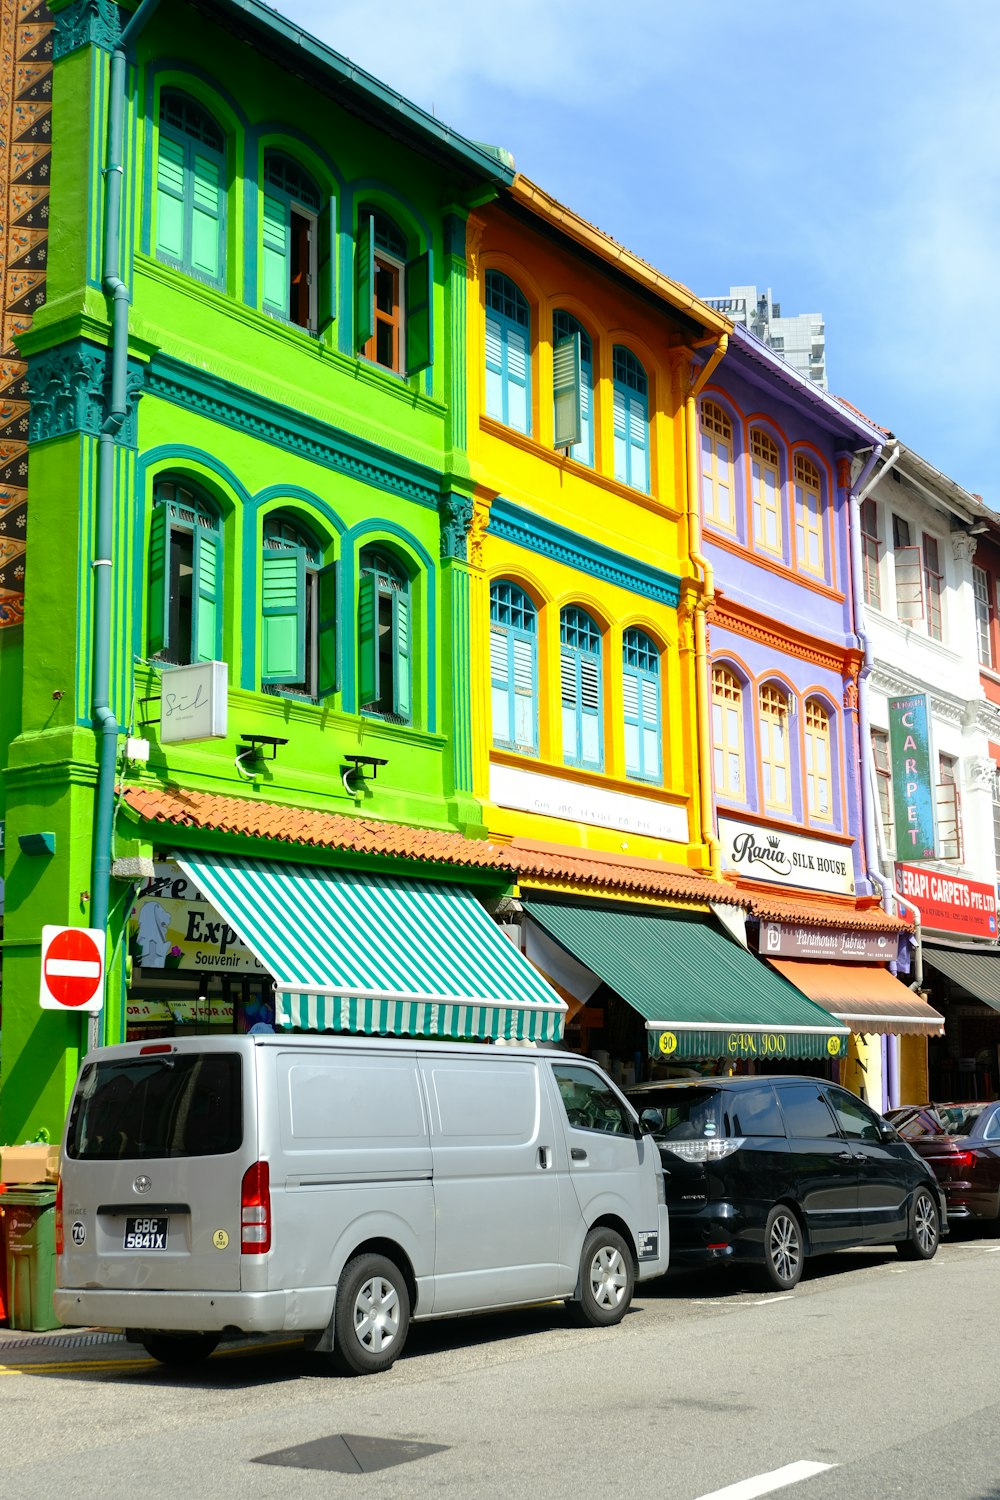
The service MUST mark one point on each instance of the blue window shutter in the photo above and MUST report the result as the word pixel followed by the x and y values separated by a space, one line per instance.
pixel 567 391
pixel 328 594
pixel 206 216
pixel 364 284
pixel 501 687
pixel 401 654
pixel 517 384
pixel 631 693
pixel 621 435
pixel 584 450
pixel 158 631
pixel 277 254
pixel 570 696
pixel 420 313
pixel 638 437
pixel 171 181
pixel 368 674
pixel 494 369
pixel 652 739
pixel 283 600
pixel 591 746
pixel 326 266
pixel 206 588
pixel 524 676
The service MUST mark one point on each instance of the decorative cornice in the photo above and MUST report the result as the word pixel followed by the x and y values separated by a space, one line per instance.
pixel 896 684
pixel 456 518
pixel 84 23
pixel 538 535
pixel 784 639
pixel 474 231
pixel 293 431
pixel 70 389
pixel 987 719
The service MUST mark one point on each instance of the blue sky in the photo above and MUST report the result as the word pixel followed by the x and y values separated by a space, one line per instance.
pixel 847 155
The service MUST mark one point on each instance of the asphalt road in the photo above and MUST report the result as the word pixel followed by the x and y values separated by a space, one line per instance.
pixel 875 1378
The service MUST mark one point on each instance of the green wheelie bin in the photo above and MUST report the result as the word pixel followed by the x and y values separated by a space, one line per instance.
pixel 29 1223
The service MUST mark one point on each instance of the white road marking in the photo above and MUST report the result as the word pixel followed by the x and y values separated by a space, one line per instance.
pixel 764 1484
pixel 993 1250
pixel 770 1301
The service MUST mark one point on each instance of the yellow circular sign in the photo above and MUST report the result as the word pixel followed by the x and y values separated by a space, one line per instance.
pixel 220 1239
pixel 833 1046
pixel 668 1043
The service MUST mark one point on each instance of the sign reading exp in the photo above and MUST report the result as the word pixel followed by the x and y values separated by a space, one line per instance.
pixel 912 775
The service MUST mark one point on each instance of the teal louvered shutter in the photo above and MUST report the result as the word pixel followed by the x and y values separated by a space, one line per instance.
pixel 591 752
pixel 283 610
pixel 206 216
pixel 364 284
pixel 633 733
pixel 516 384
pixel 525 697
pixel 368 674
pixel 651 737
pixel 494 369
pixel 326 266
pixel 570 695
pixel 170 193
pixel 501 687
pixel 158 629
pixel 419 313
pixel 638 440
pixel 401 654
pixel 206 590
pixel 621 435
pixel 328 594
pixel 567 389
pixel 276 254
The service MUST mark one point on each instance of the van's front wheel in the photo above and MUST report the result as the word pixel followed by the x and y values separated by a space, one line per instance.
pixel 176 1348
pixel 607 1278
pixel 373 1315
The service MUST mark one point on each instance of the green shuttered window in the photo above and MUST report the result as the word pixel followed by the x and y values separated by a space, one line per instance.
pixel 393 297
pixel 385 639
pixel 513 668
pixel 190 188
pixel 641 697
pixel 297 260
pixel 184 621
pixel 299 603
pixel 580 685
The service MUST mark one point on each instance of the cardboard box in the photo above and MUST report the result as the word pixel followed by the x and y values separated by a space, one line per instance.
pixel 37 1163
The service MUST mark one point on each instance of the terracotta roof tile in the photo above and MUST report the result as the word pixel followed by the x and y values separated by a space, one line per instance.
pixel 771 908
pixel 646 877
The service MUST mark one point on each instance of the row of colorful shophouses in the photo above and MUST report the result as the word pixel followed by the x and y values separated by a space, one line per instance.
pixel 419 615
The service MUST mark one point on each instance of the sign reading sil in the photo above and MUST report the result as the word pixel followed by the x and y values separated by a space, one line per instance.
pixel 912 774
pixel 786 858
pixel 72 968
pixel 949 903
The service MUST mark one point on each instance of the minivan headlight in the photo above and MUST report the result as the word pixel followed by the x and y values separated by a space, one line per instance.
pixel 705 1150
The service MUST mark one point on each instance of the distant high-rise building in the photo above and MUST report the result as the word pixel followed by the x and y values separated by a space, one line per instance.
pixel 801 339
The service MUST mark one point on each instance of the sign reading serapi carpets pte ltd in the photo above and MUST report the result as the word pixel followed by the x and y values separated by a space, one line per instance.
pixel 194 702
pixel 949 903
pixel 788 940
pixel 912 775
pixel 786 858
pixel 172 926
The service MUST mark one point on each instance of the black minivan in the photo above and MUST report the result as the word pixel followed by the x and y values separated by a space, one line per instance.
pixel 765 1171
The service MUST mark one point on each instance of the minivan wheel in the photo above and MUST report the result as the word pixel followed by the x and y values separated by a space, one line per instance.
pixel 925 1229
pixel 372 1317
pixel 607 1278
pixel 178 1348
pixel 783 1254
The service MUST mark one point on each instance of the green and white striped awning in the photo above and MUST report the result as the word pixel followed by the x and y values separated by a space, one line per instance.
pixel 378 955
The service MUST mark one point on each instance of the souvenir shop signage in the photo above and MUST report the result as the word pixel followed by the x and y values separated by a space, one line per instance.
pixel 786 858
pixel 912 774
pixel 172 926
pixel 788 940
pixel 949 903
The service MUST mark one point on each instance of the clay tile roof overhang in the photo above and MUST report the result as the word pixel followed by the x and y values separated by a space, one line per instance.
pixel 520 860
pixel 764 368
pixel 805 913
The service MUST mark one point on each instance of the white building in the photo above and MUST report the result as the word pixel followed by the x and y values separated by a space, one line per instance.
pixel 799 338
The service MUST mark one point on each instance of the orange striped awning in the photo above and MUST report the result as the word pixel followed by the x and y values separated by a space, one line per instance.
pixel 865 996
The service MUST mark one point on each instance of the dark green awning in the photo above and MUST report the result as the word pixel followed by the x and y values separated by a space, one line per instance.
pixel 700 993
pixel 976 973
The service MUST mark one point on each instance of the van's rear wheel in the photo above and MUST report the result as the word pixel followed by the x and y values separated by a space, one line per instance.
pixel 372 1317
pixel 607 1278
pixel 177 1348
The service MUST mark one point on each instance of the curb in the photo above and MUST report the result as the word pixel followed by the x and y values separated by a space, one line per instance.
pixel 11 1340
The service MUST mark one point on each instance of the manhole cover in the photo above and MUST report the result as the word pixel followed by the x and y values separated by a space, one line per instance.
pixel 346 1453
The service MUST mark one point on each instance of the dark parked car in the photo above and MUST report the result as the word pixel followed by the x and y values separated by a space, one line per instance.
pixel 765 1171
pixel 961 1145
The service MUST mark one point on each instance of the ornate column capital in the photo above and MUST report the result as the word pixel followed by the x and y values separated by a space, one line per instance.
pixel 82 23
pixel 456 513
pixel 963 546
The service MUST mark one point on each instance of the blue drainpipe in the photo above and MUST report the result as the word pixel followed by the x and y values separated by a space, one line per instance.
pixel 114 287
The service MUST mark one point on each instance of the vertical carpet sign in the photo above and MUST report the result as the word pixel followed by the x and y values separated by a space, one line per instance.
pixel 912 775
pixel 25 153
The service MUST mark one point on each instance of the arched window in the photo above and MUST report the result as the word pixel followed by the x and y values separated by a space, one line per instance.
pixel 190 188
pixel 775 750
pixel 580 674
pixel 765 490
pixel 290 237
pixel 573 383
pixel 717 466
pixel 299 611
pixel 393 305
pixel 808 514
pixel 508 353
pixel 384 638
pixel 514 668
pixel 819 774
pixel 185 575
pixel 727 734
pixel 641 694
pixel 631 412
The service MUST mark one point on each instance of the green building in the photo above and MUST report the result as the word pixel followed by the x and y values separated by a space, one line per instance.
pixel 247 443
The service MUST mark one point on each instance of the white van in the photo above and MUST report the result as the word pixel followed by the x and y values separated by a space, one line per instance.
pixel 339 1186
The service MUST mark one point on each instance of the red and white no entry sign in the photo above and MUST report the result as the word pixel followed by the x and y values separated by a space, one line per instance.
pixel 72 968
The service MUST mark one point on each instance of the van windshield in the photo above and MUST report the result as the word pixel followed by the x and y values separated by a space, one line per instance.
pixel 143 1108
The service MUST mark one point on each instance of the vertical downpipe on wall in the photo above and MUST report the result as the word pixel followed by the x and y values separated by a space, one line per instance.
pixel 114 287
